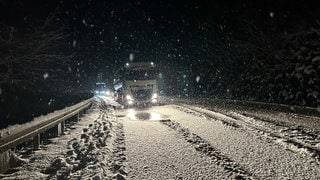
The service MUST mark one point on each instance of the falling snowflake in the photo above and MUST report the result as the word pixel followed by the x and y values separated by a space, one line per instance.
pixel 271 14
pixel 0 91
pixel 45 75
pixel 197 79
pixel 74 43
pixel 131 57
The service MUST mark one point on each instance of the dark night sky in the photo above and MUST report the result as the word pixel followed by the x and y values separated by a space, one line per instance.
pixel 104 33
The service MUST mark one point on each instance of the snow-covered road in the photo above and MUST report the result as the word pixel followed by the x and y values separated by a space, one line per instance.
pixel 259 153
pixel 239 150
pixel 156 152
pixel 175 142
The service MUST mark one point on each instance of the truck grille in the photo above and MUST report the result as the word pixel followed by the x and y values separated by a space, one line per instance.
pixel 141 94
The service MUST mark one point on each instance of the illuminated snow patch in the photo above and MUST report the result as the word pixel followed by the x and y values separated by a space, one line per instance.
pixel 155 116
pixel 131 114
pixel 145 116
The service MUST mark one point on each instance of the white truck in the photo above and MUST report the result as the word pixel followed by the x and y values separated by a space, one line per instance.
pixel 139 84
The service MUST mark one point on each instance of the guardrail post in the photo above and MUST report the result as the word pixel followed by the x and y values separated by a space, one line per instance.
pixel 36 142
pixel 57 130
pixel 4 161
pixel 63 125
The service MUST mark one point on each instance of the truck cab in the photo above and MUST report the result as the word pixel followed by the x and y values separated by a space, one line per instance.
pixel 139 84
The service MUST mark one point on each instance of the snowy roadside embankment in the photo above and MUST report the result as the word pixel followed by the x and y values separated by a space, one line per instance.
pixel 240 104
pixel 278 113
pixel 14 129
pixel 92 148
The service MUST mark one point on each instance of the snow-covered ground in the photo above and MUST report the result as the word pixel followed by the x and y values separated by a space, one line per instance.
pixel 157 152
pixel 253 149
pixel 91 148
pixel 174 142
pixel 15 129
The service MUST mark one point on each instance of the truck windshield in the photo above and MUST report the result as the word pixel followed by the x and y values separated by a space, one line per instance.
pixel 144 74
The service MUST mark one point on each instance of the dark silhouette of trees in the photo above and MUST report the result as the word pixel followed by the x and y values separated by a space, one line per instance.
pixel 37 53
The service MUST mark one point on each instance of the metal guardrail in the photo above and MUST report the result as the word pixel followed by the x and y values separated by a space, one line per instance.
pixel 47 122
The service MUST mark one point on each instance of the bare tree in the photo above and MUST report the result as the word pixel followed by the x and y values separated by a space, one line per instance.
pixel 33 53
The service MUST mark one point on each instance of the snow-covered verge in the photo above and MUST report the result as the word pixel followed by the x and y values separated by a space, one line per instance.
pixel 90 149
pixel 41 119
pixel 292 115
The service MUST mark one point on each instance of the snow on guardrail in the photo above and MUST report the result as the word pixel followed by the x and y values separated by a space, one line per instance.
pixel 42 120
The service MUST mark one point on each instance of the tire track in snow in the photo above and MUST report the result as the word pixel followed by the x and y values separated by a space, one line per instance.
pixel 204 147
pixel 154 151
pixel 296 139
